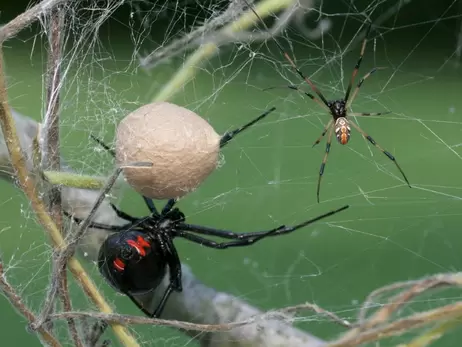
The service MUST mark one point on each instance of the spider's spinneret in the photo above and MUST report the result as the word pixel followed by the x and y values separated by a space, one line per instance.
pixel 342 130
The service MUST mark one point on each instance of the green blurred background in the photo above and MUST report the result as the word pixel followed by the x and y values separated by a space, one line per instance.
pixel 391 233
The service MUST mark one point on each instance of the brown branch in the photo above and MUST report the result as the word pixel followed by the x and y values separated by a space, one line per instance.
pixel 280 315
pixel 374 328
pixel 50 129
pixel 352 338
pixel 319 310
pixel 379 292
pixel 67 305
pixel 402 299
pixel 51 157
pixel 26 18
pixel 401 326
pixel 17 302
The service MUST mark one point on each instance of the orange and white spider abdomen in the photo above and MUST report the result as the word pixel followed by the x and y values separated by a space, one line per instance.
pixel 342 130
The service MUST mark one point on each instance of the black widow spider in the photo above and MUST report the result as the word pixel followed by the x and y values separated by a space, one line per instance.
pixel 336 108
pixel 135 258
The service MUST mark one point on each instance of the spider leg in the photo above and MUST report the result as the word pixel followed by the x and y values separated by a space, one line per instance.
pixel 363 114
pixel 324 160
pixel 115 228
pixel 139 305
pixel 123 215
pixel 358 64
pixel 241 239
pixel 323 133
pixel 175 284
pixel 174 264
pixel 149 202
pixel 388 154
pixel 288 58
pixel 360 83
pixel 229 135
pixel 102 144
pixel 168 206
pixel 311 96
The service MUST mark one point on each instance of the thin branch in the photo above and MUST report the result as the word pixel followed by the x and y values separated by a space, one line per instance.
pixel 26 18
pixel 433 334
pixel 280 315
pixel 401 326
pixel 401 299
pixel 67 305
pixel 395 328
pixel 315 308
pixel 50 151
pixel 16 301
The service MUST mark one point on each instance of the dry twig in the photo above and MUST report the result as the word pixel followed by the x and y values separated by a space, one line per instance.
pixel 50 150
pixel 17 302
pixel 25 19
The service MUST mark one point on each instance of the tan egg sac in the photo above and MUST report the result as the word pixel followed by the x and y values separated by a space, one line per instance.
pixel 182 146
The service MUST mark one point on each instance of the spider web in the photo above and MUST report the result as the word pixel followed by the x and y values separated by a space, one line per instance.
pixel 269 173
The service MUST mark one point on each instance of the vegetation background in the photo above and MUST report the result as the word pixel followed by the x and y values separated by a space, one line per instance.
pixel 391 233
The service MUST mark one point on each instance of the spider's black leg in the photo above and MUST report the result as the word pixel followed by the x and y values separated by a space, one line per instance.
pixel 311 96
pixel 324 161
pixel 362 114
pixel 174 265
pixel 123 215
pixel 388 154
pixel 160 307
pixel 360 83
pixel 175 284
pixel 138 304
pixel 229 135
pixel 358 64
pixel 102 144
pixel 116 228
pixel 323 133
pixel 149 202
pixel 288 58
pixel 168 206
pixel 241 239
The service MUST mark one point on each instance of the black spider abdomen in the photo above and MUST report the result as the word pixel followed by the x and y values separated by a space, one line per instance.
pixel 131 263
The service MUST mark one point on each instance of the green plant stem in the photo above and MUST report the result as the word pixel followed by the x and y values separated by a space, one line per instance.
pixel 207 50
pixel 68 179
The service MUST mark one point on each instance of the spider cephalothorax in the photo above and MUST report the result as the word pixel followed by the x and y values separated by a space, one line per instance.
pixel 337 108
